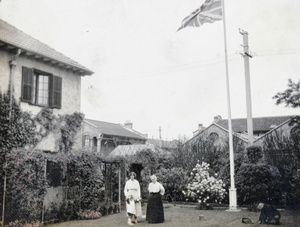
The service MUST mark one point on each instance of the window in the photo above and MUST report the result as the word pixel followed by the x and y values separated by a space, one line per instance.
pixel 94 144
pixel 295 132
pixel 213 137
pixel 54 173
pixel 86 140
pixel 42 89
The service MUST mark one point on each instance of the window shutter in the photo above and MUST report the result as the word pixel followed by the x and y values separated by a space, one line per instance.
pixel 27 84
pixel 56 91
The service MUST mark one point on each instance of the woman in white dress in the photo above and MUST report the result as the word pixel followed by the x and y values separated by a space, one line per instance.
pixel 132 191
pixel 155 210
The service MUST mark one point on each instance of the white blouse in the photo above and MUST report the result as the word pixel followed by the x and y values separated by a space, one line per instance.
pixel 132 188
pixel 156 187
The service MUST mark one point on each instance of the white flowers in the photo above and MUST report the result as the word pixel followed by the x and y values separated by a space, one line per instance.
pixel 203 187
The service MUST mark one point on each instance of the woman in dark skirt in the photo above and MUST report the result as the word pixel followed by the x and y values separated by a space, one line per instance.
pixel 155 210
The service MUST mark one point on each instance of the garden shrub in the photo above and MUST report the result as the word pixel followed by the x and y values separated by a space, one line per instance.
pixel 254 153
pixel 283 153
pixel 257 183
pixel 204 188
pixel 256 180
pixel 26 185
pixel 174 181
pixel 90 177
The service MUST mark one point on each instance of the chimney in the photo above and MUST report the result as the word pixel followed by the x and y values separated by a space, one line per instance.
pixel 217 118
pixel 200 127
pixel 128 124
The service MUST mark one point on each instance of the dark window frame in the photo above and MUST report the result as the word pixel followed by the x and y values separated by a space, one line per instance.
pixel 295 132
pixel 54 173
pixel 213 137
pixel 54 88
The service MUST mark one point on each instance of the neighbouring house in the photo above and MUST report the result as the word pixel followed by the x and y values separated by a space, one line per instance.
pixel 158 143
pixel 39 77
pixel 262 126
pixel 129 150
pixel 163 144
pixel 104 137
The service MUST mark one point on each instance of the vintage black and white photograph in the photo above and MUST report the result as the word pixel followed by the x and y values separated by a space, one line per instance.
pixel 166 113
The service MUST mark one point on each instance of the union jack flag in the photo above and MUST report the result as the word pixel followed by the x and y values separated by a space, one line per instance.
pixel 209 12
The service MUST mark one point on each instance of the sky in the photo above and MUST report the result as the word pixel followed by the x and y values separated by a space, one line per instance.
pixel 155 77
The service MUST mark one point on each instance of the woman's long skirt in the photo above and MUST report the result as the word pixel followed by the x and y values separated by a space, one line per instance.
pixel 155 210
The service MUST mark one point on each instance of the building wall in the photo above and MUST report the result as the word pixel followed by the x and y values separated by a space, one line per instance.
pixel 284 130
pixel 223 135
pixel 104 143
pixel 71 90
pixel 4 70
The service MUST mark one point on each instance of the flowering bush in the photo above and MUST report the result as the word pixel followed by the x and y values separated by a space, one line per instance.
pixel 89 214
pixel 204 188
pixel 24 224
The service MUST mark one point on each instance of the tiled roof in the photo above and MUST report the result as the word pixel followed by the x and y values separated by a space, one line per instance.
pixel 124 150
pixel 260 124
pixel 12 36
pixel 162 143
pixel 113 129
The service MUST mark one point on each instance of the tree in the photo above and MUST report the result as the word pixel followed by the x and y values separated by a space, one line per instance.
pixel 291 96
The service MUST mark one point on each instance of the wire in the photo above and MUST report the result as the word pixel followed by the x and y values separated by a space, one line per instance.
pixel 280 52
pixel 199 64
pixel 182 67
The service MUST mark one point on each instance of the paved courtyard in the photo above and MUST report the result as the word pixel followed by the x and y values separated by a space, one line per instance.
pixel 187 216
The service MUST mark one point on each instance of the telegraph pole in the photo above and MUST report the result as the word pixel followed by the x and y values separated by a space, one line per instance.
pixel 246 55
pixel 160 142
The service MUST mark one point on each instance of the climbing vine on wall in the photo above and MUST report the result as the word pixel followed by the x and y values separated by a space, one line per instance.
pixel 17 128
pixel 69 130
pixel 27 182
pixel 66 125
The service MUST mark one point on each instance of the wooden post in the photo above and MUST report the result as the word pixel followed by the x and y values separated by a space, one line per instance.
pixel 111 185
pixel 4 194
pixel 43 208
pixel 119 198
pixel 105 183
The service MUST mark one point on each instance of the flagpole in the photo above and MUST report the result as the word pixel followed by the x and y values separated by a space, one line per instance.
pixel 232 190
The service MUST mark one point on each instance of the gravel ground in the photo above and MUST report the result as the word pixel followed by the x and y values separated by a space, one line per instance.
pixel 187 216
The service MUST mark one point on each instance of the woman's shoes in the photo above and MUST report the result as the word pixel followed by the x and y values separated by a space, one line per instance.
pixel 129 221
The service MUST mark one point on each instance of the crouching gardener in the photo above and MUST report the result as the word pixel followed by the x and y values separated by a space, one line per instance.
pixel 132 193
